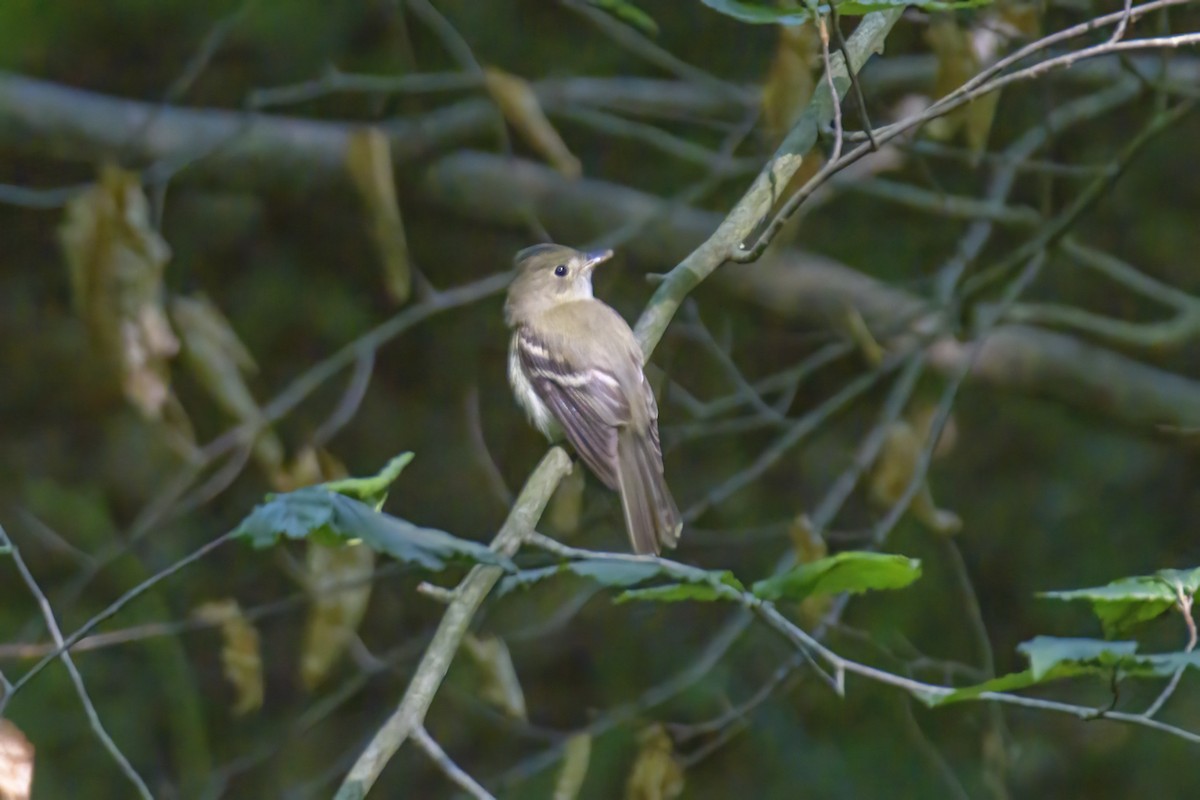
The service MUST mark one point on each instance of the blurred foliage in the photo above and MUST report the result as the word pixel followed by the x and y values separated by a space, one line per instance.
pixel 1048 497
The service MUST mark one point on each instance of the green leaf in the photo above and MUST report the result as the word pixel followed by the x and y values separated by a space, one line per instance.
pixel 1052 658
pixel 1047 652
pixel 769 14
pixel 1126 603
pixel 714 586
pixel 628 12
pixel 849 571
pixel 373 490
pixel 758 14
pixel 620 573
pixel 316 512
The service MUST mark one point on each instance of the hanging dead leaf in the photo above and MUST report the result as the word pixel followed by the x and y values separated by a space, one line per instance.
pixel 339 583
pixel 861 334
pixel 566 504
pixel 922 422
pixel 220 361
pixel 499 685
pixel 16 763
pixel 576 755
pixel 369 160
pixel 656 773
pixel 790 79
pixel 895 468
pixel 116 260
pixel 312 465
pixel 241 654
pixel 961 54
pixel 519 104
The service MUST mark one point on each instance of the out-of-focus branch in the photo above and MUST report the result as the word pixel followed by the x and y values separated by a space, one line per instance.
pixel 816 291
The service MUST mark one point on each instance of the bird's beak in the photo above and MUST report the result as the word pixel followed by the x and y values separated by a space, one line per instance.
pixel 595 257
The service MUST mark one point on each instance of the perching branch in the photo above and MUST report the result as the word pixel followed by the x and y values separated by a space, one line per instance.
pixel 409 717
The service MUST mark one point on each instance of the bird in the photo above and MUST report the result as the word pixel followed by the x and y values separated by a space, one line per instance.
pixel 575 367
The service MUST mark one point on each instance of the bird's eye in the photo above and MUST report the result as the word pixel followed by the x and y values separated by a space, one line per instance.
pixel 560 270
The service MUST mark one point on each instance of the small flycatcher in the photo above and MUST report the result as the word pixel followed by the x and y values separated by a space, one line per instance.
pixel 575 366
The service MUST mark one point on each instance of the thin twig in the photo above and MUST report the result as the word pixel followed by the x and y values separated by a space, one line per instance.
pixel 76 679
pixel 1183 604
pixel 446 764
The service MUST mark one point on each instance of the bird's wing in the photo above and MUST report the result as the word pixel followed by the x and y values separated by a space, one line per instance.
pixel 588 402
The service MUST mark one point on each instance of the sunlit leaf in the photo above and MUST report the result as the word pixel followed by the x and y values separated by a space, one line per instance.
pixel 339 588
pixel 576 755
pixel 116 260
pixel 241 654
pixel 895 468
pixel 1128 602
pixel 849 571
pixel 330 517
pixel 372 490
pixel 499 684
pixel 16 762
pixel 369 161
pixel 519 104
pixel 656 773
pixel 628 12
pixel 220 362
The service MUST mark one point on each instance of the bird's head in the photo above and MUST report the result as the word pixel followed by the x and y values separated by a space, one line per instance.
pixel 549 274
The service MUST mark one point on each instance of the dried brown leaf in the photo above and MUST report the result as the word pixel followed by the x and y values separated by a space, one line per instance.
pixel 369 161
pixel 339 583
pixel 499 684
pixel 656 773
pixel 16 763
pixel 519 104
pixel 241 653
pixel 576 755
pixel 116 259
pixel 895 468
pixel 220 362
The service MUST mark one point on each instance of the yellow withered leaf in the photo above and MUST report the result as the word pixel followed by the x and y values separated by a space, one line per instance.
pixel 519 104
pixel 369 161
pixel 220 362
pixel 809 546
pixel 960 55
pixel 241 654
pixel 895 468
pixel 16 763
pixel 566 504
pixel 499 684
pixel 339 583
pixel 116 260
pixel 656 773
pixel 576 755
pixel 790 79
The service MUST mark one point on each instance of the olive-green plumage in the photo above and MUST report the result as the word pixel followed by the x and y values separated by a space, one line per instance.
pixel 575 366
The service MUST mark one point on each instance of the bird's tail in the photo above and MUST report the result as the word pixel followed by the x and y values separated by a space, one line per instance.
pixel 651 516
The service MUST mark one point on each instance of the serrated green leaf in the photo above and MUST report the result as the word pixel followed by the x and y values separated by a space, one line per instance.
pixel 1047 652
pixel 1126 603
pixel 1052 658
pixel 849 571
pixel 707 591
pixel 767 14
pixel 622 573
pixel 372 490
pixel 628 12
pixel 316 512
